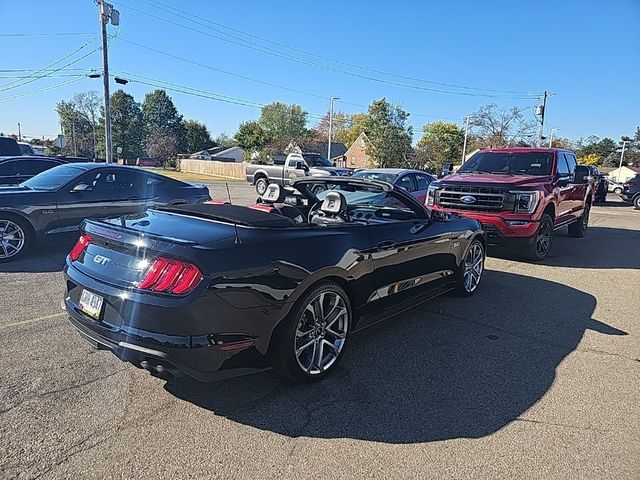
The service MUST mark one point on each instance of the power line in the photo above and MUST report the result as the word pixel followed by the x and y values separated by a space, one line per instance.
pixel 210 22
pixel 18 83
pixel 54 34
pixel 273 52
pixel 43 89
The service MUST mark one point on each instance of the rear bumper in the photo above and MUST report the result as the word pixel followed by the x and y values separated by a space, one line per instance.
pixel 210 356
pixel 626 197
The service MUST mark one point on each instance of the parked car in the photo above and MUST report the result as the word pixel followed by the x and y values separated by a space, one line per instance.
pixel 15 170
pixel 148 162
pixel 614 186
pixel 9 147
pixel 600 185
pixel 520 195
pixel 415 182
pixel 631 191
pixel 58 200
pixel 294 166
pixel 26 149
pixel 216 290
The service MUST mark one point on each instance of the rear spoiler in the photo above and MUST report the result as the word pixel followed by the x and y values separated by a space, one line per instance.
pixel 127 236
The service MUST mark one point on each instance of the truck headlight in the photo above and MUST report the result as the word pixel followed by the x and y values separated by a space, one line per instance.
pixel 525 202
pixel 431 194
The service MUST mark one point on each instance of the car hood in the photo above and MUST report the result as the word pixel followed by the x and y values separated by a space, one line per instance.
pixel 332 170
pixel 494 179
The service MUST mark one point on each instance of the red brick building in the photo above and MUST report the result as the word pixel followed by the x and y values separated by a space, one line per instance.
pixel 356 155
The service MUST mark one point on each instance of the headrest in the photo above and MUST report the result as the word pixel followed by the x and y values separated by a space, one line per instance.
pixel 334 203
pixel 273 194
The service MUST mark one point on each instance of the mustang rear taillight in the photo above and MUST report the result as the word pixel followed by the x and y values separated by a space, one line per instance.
pixel 170 276
pixel 79 247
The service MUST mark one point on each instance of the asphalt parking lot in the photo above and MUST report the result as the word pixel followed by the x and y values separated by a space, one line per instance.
pixel 536 376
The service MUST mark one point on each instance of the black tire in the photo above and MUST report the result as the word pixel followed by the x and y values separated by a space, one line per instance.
pixel 14 233
pixel 539 249
pixel 261 185
pixel 636 202
pixel 471 269
pixel 290 356
pixel 578 228
pixel 617 190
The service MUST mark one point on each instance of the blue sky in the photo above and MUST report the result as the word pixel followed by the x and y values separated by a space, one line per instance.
pixel 587 52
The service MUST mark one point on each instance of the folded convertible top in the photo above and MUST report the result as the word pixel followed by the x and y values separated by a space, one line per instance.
pixel 232 213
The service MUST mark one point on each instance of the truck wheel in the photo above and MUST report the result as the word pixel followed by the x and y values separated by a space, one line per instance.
pixel 539 249
pixel 577 228
pixel 617 190
pixel 261 186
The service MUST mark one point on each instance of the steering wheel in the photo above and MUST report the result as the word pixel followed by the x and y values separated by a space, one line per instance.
pixel 314 211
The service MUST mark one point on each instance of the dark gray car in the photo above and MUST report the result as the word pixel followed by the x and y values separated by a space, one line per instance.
pixel 58 200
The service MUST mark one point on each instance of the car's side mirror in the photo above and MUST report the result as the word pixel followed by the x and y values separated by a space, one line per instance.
pixel 81 187
pixel 581 175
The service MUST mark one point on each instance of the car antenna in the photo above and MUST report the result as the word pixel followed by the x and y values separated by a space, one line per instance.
pixel 233 212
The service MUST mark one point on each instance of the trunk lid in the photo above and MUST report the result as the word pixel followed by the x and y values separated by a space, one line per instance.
pixel 121 249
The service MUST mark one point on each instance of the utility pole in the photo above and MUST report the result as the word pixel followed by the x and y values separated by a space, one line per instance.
pixel 19 133
pixel 551 137
pixel 107 13
pixel 466 134
pixel 624 144
pixel 331 100
pixel 541 111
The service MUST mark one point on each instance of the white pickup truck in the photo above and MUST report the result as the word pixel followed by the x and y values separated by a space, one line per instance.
pixel 296 165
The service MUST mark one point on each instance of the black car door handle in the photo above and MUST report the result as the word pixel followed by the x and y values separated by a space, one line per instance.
pixel 386 245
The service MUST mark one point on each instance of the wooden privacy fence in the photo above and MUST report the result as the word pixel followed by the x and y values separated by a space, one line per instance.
pixel 212 167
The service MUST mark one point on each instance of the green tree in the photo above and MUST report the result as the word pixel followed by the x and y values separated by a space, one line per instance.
pixel 127 125
pixel 77 129
pixel 357 125
pixel 340 125
pixel 389 134
pixel 161 116
pixel 251 137
pixel 284 123
pixel 441 143
pixel 196 136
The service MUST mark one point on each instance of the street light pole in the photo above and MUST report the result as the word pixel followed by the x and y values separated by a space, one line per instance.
pixel 19 133
pixel 624 144
pixel 107 13
pixel 551 137
pixel 466 134
pixel 542 109
pixel 331 100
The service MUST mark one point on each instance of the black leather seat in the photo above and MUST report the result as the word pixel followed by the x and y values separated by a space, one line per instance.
pixel 275 196
pixel 333 210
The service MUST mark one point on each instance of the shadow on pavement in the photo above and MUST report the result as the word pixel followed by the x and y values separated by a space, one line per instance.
pixel 455 368
pixel 601 247
pixel 48 257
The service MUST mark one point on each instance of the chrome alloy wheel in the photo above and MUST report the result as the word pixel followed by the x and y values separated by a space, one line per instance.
pixel 321 332
pixel 12 238
pixel 473 267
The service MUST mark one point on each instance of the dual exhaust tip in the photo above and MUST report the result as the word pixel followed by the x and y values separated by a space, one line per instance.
pixel 161 370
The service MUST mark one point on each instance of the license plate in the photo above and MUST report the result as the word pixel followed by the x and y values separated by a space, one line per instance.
pixel 90 303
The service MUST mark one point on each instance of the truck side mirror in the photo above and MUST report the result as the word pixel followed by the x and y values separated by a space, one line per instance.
pixel 581 174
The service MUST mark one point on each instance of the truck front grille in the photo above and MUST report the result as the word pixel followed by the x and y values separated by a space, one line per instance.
pixel 485 199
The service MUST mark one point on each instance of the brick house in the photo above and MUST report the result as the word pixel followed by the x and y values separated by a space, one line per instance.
pixel 356 155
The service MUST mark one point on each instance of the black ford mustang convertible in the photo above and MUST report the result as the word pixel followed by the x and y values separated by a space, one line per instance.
pixel 218 290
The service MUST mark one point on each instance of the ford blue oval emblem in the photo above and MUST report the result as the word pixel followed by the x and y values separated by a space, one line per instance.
pixel 468 199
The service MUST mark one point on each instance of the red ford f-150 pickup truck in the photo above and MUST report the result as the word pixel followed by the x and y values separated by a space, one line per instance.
pixel 520 195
